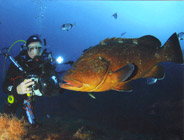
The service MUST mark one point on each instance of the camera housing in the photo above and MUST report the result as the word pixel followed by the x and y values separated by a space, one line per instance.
pixel 46 84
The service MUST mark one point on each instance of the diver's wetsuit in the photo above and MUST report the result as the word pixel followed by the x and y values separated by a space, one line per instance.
pixel 14 77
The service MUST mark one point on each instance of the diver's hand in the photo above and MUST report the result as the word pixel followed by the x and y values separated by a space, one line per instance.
pixel 23 88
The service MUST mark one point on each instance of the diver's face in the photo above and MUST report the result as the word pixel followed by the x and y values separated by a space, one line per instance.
pixel 34 49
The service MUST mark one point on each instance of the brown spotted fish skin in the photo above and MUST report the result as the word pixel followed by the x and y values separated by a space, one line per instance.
pixel 114 62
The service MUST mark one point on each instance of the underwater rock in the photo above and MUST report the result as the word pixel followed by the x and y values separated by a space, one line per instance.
pixel 83 133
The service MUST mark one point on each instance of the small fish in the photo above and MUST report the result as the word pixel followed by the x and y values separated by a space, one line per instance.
pixel 115 15
pixel 123 33
pixel 48 116
pixel 91 95
pixel 151 81
pixel 181 36
pixel 67 26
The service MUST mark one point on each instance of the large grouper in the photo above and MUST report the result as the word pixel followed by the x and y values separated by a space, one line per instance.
pixel 113 63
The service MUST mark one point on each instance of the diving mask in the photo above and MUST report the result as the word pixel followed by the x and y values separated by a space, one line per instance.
pixel 35 47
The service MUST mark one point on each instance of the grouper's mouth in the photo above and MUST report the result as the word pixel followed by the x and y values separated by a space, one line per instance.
pixel 70 84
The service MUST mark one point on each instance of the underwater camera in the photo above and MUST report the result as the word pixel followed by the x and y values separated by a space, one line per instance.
pixel 47 84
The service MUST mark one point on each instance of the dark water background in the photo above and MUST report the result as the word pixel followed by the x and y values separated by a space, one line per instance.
pixel 149 108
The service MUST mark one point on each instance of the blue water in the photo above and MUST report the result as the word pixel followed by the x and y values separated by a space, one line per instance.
pixel 93 22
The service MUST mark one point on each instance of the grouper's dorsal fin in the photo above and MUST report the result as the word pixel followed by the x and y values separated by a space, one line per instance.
pixel 149 41
pixel 107 41
pixel 144 41
pixel 113 40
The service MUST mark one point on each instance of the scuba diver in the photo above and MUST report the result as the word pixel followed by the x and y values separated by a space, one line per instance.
pixel 32 74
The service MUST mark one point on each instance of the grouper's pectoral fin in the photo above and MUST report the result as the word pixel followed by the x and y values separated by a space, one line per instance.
pixel 125 72
pixel 156 71
pixel 123 87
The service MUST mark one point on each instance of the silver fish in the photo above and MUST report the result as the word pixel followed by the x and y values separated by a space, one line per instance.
pixel 67 26
pixel 123 33
pixel 181 36
pixel 115 15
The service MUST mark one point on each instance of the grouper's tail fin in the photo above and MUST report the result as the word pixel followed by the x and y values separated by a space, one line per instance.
pixel 171 50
